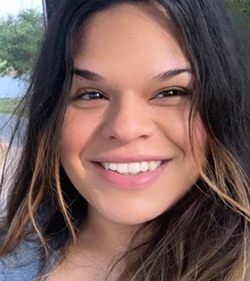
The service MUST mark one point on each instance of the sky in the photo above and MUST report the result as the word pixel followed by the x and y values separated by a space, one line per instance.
pixel 14 6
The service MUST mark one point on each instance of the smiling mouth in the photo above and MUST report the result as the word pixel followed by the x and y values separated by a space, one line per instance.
pixel 131 169
pixel 126 180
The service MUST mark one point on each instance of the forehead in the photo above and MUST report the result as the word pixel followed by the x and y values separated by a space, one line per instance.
pixel 126 40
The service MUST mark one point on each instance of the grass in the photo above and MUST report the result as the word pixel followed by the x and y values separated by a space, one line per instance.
pixel 8 105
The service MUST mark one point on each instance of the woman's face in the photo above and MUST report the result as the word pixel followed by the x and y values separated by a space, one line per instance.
pixel 131 115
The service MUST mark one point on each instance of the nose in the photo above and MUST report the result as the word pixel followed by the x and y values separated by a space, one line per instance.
pixel 129 120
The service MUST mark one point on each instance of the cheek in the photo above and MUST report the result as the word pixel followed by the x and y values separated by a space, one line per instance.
pixel 78 131
pixel 173 123
pixel 200 139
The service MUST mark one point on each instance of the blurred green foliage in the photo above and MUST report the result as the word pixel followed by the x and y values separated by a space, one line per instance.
pixel 20 38
pixel 8 105
pixel 241 9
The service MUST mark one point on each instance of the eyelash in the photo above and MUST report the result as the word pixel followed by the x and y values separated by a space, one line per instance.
pixel 175 92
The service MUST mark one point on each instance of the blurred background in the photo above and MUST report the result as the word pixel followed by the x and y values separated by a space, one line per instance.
pixel 22 25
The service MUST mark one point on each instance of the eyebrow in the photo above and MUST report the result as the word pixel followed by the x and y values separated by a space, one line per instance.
pixel 167 75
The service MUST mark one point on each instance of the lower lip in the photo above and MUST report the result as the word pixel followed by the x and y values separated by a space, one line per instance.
pixel 139 181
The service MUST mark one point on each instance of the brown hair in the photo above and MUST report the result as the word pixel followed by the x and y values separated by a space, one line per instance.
pixel 205 235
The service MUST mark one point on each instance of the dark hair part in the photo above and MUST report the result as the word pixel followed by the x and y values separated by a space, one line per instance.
pixel 205 235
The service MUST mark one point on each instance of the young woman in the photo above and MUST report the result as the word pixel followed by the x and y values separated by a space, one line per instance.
pixel 135 163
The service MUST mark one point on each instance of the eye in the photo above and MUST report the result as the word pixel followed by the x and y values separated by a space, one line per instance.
pixel 91 95
pixel 172 93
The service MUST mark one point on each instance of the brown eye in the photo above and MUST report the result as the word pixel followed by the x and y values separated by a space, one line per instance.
pixel 91 96
pixel 172 93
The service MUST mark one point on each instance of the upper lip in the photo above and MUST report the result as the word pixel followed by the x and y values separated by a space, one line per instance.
pixel 130 159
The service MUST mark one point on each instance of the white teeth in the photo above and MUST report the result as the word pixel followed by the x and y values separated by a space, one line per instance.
pixel 113 166
pixel 159 163
pixel 144 166
pixel 132 168
pixel 105 165
pixel 122 168
pixel 152 165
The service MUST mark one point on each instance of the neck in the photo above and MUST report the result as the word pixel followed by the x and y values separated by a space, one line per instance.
pixel 97 233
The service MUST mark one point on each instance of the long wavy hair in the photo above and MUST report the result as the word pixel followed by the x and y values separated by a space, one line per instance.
pixel 206 234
